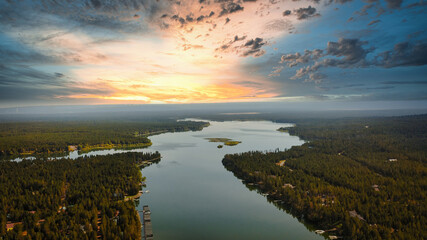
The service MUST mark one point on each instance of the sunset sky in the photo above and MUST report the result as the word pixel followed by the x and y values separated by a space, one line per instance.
pixel 57 52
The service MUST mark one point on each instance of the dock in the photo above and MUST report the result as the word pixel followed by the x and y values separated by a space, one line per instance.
pixel 146 221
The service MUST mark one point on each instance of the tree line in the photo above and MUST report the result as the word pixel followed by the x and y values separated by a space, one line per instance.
pixel 43 138
pixel 71 199
pixel 360 178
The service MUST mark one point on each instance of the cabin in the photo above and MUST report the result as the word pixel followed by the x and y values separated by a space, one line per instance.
pixel 376 187
pixel 288 185
pixel 281 163
pixel 11 225
pixel 72 148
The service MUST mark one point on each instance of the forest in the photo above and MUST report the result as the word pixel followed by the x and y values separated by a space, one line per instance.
pixel 355 178
pixel 43 138
pixel 71 199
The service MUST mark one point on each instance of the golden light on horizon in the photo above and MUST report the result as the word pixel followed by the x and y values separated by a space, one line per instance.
pixel 196 62
pixel 202 94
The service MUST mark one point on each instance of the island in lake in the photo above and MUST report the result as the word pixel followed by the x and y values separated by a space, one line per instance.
pixel 226 141
pixel 283 129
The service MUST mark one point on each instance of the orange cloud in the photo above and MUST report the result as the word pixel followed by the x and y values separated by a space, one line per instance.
pixel 183 62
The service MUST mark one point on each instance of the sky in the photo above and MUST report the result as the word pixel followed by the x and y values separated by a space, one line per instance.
pixel 86 52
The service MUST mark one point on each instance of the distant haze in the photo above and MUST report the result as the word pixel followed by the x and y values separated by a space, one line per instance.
pixel 219 110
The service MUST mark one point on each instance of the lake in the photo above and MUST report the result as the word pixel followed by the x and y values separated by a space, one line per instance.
pixel 192 196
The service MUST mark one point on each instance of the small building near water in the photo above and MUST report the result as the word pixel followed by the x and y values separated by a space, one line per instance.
pixel 11 225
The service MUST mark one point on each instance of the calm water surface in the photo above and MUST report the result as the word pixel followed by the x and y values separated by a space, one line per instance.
pixel 192 196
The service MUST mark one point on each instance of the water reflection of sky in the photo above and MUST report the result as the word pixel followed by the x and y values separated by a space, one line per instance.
pixel 192 196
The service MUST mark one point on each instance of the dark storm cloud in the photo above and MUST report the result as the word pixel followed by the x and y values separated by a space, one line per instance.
pixel 253 47
pixel 344 54
pixel 189 18
pixel 294 59
pixel 25 75
pixel 230 7
pixel 21 82
pixel 351 53
pixel 117 15
pixel 10 55
pixel 178 19
pixel 96 3
pixel 237 38
pixel 203 17
pixel 228 44
pixel 21 74
pixel 341 1
pixel 403 54
pixel 304 13
pixel 287 13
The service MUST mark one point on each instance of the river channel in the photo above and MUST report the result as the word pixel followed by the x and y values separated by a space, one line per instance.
pixel 192 196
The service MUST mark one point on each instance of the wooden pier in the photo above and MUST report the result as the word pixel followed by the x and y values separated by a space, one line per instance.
pixel 146 221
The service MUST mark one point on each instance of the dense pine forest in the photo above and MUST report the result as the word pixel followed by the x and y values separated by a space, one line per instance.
pixel 38 138
pixel 71 199
pixel 353 178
